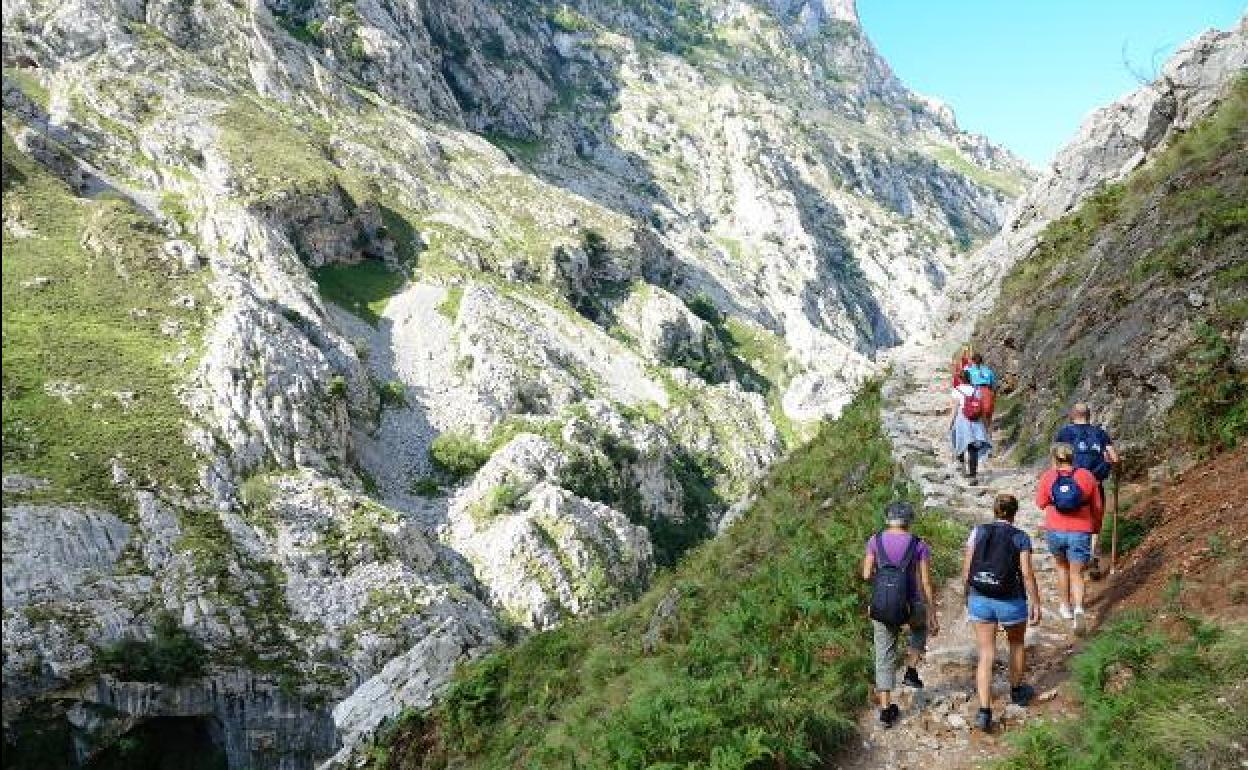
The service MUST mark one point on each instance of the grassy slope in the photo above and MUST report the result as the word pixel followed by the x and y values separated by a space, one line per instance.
pixel 1151 699
pixel 96 323
pixel 768 663
pixel 1178 224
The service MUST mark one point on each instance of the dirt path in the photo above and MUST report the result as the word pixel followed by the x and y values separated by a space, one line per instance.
pixel 934 731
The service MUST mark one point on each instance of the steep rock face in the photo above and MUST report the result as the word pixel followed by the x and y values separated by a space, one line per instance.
pixel 1134 300
pixel 348 260
pixel 1113 141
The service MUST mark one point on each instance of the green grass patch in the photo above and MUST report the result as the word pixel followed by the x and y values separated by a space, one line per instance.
pixel 363 288
pixel 449 307
pixel 88 373
pixel 1212 406
pixel 767 663
pixel 525 151
pixel 1150 701
pixel 1008 184
pixel 29 85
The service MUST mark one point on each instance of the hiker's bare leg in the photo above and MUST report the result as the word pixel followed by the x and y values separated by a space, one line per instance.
pixel 1063 580
pixel 986 638
pixel 1017 634
pixel 1076 583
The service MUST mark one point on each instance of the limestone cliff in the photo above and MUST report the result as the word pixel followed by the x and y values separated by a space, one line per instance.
pixel 358 337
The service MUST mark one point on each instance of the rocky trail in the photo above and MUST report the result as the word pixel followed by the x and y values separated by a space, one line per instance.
pixel 935 726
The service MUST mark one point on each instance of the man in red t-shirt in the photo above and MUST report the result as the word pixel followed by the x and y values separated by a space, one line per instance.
pixel 1071 500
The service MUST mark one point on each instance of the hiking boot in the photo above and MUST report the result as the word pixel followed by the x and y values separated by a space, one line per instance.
pixel 1021 694
pixel 911 678
pixel 890 715
pixel 972 480
pixel 1080 620
pixel 983 720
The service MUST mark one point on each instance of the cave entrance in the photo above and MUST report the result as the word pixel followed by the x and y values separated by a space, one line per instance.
pixel 166 743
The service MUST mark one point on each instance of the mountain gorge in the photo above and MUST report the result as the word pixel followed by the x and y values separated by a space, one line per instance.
pixel 347 341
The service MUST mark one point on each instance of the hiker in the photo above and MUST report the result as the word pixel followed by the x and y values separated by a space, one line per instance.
pixel 961 360
pixel 970 439
pixel 984 378
pixel 1073 506
pixel 899 565
pixel 1001 592
pixel 1094 451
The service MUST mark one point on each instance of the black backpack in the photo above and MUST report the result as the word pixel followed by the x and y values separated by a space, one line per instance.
pixel 890 594
pixel 1089 454
pixel 995 571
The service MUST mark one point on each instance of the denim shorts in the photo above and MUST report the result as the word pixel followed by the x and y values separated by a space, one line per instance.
pixel 1006 612
pixel 1070 546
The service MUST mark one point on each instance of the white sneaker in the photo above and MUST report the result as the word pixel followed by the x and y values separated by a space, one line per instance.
pixel 1064 611
pixel 1081 622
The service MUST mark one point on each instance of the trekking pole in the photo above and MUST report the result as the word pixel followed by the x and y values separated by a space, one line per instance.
pixel 1113 528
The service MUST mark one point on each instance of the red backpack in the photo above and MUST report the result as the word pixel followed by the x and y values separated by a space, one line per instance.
pixel 973 405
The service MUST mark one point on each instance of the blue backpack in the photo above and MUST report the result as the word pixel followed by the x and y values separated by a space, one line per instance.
pixel 1089 453
pixel 1066 494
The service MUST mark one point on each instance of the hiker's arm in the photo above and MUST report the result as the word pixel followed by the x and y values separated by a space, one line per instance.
pixel 925 580
pixel 1033 591
pixel 966 573
pixel 1043 495
pixel 1111 454
pixel 868 565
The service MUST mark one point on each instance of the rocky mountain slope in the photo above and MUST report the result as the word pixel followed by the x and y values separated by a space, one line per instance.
pixel 347 340
pixel 1125 283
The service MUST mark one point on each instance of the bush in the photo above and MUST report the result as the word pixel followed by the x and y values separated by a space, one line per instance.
pixel 705 308
pixel 337 387
pixel 392 393
pixel 458 454
pixel 425 487
pixel 497 501
pixel 171 656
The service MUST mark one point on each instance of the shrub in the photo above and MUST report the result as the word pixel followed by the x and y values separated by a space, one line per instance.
pixel 705 308
pixel 171 656
pixel 566 19
pixel 392 393
pixel 497 501
pixel 337 387
pixel 425 486
pixel 458 454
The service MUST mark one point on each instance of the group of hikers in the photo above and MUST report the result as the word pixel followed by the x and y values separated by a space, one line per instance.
pixel 1001 590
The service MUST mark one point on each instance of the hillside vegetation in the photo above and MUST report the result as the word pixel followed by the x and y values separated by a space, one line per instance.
pixel 1136 302
pixel 764 660
pixel 100 326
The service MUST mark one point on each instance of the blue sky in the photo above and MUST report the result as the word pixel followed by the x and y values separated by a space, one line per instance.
pixel 1026 73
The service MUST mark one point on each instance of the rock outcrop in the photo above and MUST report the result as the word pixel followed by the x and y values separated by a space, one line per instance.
pixel 1122 272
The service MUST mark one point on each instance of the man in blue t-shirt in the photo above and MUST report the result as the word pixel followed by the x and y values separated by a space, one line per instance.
pixel 1094 450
